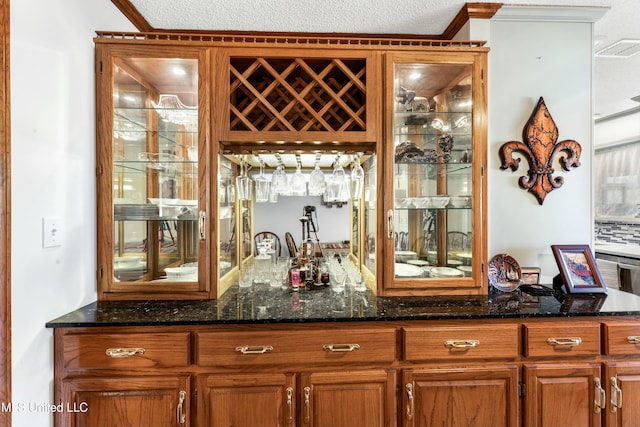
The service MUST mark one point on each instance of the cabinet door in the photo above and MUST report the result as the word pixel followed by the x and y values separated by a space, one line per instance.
pixel 347 399
pixel 563 394
pixel 256 400
pixel 623 394
pixel 125 402
pixel 459 397
pixel 151 164
pixel 434 184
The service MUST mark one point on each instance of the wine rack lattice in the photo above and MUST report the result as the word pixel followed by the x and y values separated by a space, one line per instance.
pixel 297 94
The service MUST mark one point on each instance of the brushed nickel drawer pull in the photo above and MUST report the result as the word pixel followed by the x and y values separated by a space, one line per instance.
pixel 257 349
pixel 633 339
pixel 341 347
pixel 124 352
pixel 462 343
pixel 565 342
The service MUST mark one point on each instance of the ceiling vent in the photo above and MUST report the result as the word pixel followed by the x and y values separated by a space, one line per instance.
pixel 621 49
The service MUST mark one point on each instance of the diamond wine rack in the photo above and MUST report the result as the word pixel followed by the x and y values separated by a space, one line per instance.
pixel 298 94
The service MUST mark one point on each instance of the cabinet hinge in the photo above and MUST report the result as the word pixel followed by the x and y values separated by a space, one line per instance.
pixel 482 75
pixel 195 398
pixel 99 170
pixel 100 67
pixel 522 390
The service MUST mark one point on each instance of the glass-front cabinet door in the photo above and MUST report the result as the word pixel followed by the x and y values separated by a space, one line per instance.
pixel 436 151
pixel 151 217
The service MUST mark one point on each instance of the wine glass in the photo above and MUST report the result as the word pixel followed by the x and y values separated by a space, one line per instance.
pixel 263 186
pixel 317 183
pixel 279 180
pixel 298 184
pixel 357 179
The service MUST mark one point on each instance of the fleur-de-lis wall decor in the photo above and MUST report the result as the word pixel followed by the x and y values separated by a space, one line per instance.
pixel 540 149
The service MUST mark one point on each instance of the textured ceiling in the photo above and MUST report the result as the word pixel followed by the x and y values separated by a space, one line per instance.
pixel 616 80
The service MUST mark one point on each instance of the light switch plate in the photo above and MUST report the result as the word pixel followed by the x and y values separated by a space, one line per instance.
pixel 51 232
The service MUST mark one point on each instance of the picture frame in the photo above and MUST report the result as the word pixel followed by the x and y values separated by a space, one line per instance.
pixel 578 269
pixel 530 275
pixel 582 303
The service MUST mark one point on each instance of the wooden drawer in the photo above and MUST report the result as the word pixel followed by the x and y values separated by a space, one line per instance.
pixel 569 339
pixel 296 346
pixel 622 338
pixel 125 351
pixel 488 341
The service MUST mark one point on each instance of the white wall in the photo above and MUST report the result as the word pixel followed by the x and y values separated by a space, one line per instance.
pixel 332 223
pixel 529 60
pixel 53 174
pixel 53 141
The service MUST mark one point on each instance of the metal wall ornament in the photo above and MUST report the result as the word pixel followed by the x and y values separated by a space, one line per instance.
pixel 540 149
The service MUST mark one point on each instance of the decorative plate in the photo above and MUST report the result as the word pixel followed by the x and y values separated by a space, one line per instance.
pixel 445 272
pixel 406 270
pixel 418 262
pixel 504 273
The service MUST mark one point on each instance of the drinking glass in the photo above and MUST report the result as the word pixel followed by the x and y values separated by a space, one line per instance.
pixel 243 187
pixel 298 184
pixel 317 183
pixel 246 277
pixel 243 183
pixel 338 277
pixel 357 180
pixel 337 187
pixel 279 180
pixel 263 185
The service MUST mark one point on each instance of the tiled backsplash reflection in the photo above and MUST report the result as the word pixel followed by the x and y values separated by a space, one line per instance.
pixel 617 232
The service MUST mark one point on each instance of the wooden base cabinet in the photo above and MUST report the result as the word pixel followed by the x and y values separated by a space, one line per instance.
pixel 563 394
pixel 461 396
pixel 318 399
pixel 246 400
pixel 348 399
pixel 533 373
pixel 149 401
pixel 623 394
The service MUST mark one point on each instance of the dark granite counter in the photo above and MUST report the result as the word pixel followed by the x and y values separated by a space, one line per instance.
pixel 269 305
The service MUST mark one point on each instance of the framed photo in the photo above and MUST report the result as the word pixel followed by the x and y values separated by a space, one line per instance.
pixel 582 303
pixel 578 269
pixel 530 275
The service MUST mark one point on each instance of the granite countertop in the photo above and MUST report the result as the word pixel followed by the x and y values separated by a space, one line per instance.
pixel 275 305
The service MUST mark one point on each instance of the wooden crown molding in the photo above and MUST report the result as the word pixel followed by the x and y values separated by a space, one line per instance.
pixel 132 14
pixel 468 11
